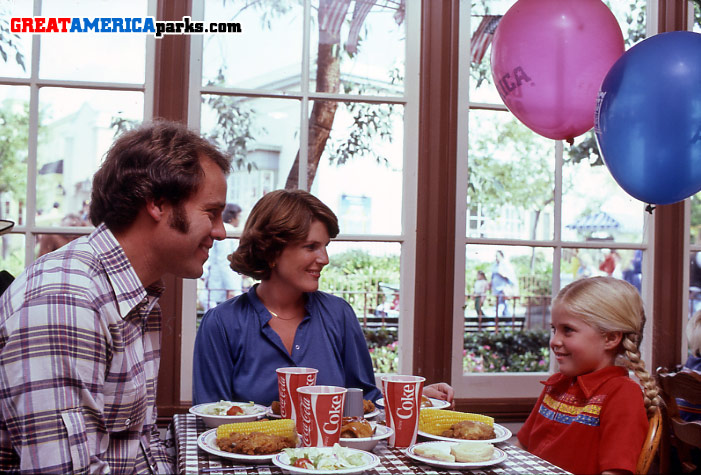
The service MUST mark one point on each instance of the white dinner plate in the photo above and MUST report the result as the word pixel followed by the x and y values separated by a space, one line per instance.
pixel 437 403
pixel 269 413
pixel 207 441
pixel 371 414
pixel 282 460
pixel 501 432
pixel 497 457
pixel 212 420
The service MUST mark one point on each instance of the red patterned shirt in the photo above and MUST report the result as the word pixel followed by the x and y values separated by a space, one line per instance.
pixel 589 424
pixel 79 356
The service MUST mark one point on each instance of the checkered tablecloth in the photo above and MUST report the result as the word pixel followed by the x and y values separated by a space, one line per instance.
pixel 192 459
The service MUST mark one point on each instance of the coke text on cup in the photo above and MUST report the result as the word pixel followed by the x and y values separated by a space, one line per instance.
pixel 321 411
pixel 402 404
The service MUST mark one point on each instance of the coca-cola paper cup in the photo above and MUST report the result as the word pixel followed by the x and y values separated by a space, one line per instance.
pixel 288 381
pixel 321 413
pixel 402 404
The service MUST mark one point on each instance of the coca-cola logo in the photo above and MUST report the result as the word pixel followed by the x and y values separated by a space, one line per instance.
pixel 333 424
pixel 407 403
pixel 306 407
pixel 282 387
pixel 311 379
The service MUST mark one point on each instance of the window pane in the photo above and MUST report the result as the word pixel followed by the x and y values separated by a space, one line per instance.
pixel 14 132
pixel 507 308
pixel 511 179
pixel 76 129
pixel 594 207
pixel 219 282
pixel 17 47
pixel 626 264
pixel 630 16
pixel 366 275
pixel 263 137
pixel 373 42
pixel 266 55
pixel 359 174
pixel 121 56
pixel 695 223
pixel 481 84
pixel 12 253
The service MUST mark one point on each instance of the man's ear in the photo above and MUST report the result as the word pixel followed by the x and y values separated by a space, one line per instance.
pixel 155 209
pixel 612 340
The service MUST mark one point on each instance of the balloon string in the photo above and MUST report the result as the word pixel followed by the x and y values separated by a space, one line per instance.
pixel 649 208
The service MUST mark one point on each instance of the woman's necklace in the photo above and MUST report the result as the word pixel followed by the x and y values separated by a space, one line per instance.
pixel 279 317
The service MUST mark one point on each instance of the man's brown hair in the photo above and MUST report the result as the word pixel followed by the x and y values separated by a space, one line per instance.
pixel 157 161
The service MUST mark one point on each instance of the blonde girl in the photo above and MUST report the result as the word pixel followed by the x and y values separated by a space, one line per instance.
pixel 591 416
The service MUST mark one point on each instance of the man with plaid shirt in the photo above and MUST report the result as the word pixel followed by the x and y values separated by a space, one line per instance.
pixel 80 328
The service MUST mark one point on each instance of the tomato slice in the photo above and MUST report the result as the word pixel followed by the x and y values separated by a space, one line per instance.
pixel 234 411
pixel 304 463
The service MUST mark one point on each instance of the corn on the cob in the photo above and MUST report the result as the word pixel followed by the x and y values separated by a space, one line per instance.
pixel 435 421
pixel 283 427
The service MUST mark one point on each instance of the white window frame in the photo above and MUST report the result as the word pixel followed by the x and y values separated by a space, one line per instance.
pixel 29 228
pixel 511 385
pixel 407 238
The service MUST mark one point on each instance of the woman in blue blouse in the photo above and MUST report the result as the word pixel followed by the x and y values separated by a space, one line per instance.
pixel 285 320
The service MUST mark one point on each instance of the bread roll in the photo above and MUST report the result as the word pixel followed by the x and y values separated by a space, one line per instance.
pixel 433 452
pixel 472 452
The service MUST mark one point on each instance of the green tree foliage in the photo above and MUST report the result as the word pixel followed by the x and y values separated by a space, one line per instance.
pixel 370 120
pixel 14 130
pixel 525 177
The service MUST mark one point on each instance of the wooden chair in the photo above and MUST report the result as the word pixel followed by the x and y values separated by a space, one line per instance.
pixel 652 443
pixel 685 437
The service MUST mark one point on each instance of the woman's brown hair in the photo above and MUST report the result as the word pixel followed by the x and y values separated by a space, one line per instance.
pixel 278 219
pixel 157 161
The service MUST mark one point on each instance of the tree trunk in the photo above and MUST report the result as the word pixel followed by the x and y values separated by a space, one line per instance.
pixel 328 79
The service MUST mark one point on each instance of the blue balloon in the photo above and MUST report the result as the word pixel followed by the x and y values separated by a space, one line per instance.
pixel 648 118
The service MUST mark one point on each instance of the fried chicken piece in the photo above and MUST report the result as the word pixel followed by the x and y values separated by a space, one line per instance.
pixel 355 427
pixel 426 402
pixel 275 407
pixel 368 406
pixel 255 443
pixel 470 430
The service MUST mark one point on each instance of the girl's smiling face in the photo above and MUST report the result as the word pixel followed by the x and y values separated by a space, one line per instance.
pixel 578 347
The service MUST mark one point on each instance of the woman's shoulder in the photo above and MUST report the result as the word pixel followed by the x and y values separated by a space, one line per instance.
pixel 323 298
pixel 232 311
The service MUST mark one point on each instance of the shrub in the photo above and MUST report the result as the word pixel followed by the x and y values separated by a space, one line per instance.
pixel 484 352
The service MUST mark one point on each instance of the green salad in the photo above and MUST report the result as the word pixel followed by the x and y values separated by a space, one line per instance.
pixel 325 458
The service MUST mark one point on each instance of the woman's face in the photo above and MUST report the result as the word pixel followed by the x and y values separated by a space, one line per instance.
pixel 300 263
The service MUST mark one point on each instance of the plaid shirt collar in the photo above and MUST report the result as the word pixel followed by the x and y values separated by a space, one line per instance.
pixel 129 291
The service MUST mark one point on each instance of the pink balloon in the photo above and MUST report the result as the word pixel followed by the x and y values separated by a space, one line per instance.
pixel 549 58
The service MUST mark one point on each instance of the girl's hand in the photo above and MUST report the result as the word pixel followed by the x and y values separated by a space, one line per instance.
pixel 442 391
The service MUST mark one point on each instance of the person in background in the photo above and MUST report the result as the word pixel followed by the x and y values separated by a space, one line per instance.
pixel 687 411
pixel 503 283
pixel 480 292
pixel 51 242
pixel 591 416
pixel 611 264
pixel 220 282
pixel 284 320
pixel 80 328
